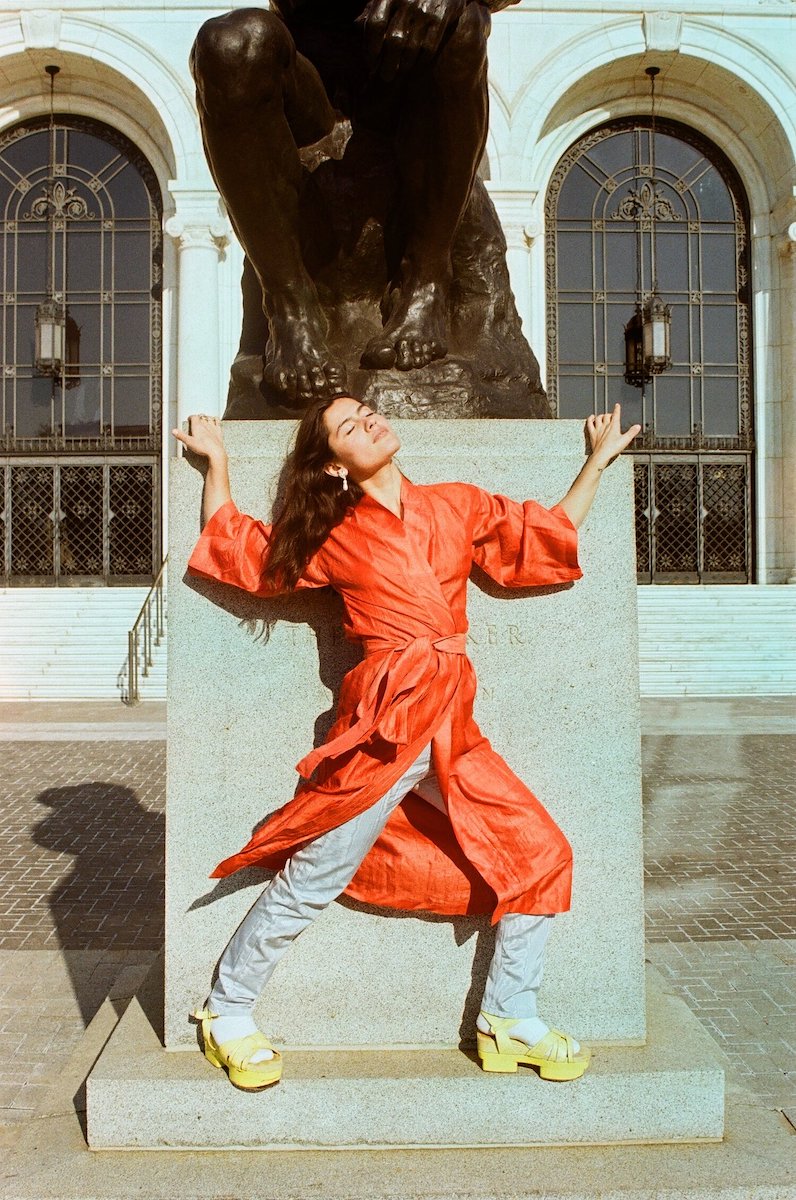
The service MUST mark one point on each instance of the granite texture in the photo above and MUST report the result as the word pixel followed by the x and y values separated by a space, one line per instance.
pixel 251 686
pixel 671 1090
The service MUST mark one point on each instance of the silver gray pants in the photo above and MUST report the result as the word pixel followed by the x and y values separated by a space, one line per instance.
pixel 317 874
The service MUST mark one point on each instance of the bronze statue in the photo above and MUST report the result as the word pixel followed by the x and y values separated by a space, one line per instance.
pixel 398 89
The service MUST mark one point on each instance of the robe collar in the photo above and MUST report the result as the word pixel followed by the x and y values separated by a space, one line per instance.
pixel 408 495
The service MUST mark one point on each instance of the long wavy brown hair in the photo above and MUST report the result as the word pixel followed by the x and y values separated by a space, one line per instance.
pixel 313 501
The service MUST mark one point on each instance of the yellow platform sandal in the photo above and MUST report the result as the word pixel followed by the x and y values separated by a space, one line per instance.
pixel 554 1055
pixel 235 1056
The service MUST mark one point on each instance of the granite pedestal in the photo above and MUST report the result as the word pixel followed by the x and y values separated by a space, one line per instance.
pixel 252 686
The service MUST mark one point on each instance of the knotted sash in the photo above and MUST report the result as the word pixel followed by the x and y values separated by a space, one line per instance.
pixel 407 675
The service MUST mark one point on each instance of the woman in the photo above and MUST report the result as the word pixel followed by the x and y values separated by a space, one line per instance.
pixel 405 804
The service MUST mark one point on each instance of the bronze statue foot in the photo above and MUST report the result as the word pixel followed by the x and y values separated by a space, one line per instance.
pixel 415 331
pixel 299 366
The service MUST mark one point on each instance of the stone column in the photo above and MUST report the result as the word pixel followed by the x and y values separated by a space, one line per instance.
pixel 787 249
pixel 521 226
pixel 200 235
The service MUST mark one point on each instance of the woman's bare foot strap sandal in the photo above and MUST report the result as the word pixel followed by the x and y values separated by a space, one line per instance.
pixel 554 1055
pixel 235 1056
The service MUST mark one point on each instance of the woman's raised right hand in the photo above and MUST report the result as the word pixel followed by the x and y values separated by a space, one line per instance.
pixel 204 436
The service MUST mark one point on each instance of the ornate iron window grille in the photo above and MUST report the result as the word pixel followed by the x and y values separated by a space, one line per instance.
pixel 702 407
pixel 81 462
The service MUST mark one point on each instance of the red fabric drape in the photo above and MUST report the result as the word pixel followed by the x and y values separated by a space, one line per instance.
pixel 403 582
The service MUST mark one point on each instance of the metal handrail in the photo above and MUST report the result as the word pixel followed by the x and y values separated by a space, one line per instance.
pixel 152 613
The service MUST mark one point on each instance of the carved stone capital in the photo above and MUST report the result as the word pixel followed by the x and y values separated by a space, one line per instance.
pixel 518 216
pixel 193 232
pixel 786 244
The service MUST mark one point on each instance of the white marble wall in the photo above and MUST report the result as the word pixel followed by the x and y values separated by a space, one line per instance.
pixel 558 67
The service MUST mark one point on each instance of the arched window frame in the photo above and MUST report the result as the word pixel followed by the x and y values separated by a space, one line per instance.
pixel 700 471
pixel 83 506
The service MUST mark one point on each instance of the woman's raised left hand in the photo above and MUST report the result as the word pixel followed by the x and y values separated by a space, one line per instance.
pixel 606 437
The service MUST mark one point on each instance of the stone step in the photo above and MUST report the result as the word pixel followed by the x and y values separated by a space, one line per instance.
pixel 140 1096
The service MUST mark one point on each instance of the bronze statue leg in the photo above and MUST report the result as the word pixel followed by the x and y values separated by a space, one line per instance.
pixel 438 145
pixel 258 101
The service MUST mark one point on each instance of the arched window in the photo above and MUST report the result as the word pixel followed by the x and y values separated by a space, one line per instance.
pixel 612 221
pixel 81 230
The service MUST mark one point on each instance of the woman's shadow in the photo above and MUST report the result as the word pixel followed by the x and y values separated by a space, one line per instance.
pixel 109 908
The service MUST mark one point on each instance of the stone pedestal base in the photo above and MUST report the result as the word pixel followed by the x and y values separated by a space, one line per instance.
pixel 252 685
pixel 671 1090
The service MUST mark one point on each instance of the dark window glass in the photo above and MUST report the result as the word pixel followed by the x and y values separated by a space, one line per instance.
pixel 28 155
pixel 672 259
pixel 679 340
pixel 720 334
pixel 719 265
pixel 87 317
pixel 83 264
pixel 612 155
pixel 574 262
pixel 25 315
pixel 83 410
pixel 132 262
pixel 34 407
pixel 30 261
pixel 577 397
pixel 620 254
pixel 127 193
pixel 720 406
pixel 93 154
pixel 131 333
pixel 620 392
pixel 715 202
pixel 576 195
pixel 575 332
pixel 675 155
pixel 131 404
pixel 672 406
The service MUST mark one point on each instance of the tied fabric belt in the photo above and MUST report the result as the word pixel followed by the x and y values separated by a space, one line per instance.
pixel 409 671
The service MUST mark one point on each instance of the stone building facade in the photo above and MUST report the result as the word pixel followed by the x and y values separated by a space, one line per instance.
pixel 571 110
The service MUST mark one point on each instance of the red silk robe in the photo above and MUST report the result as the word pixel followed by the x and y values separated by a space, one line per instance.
pixel 404 584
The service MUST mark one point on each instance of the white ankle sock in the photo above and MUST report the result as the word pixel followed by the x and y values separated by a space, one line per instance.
pixel 229 1028
pixel 528 1029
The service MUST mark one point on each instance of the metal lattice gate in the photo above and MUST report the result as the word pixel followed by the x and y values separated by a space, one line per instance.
pixel 693 518
pixel 78 522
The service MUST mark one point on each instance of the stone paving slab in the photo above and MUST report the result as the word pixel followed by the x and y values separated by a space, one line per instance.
pixel 48 1161
pixel 82 721
pixel 729 983
pixel 720 837
pixel 47 999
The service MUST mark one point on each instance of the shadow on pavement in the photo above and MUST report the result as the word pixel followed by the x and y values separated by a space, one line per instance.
pixel 112 898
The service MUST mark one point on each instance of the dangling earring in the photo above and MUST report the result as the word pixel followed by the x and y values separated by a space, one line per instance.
pixel 345 482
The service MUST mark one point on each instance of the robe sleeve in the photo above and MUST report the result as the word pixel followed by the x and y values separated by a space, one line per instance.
pixel 233 548
pixel 523 544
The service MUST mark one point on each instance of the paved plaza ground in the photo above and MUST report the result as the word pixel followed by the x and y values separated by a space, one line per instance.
pixel 81 922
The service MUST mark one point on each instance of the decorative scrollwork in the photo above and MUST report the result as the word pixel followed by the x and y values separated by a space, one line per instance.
pixel 63 202
pixel 647 203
